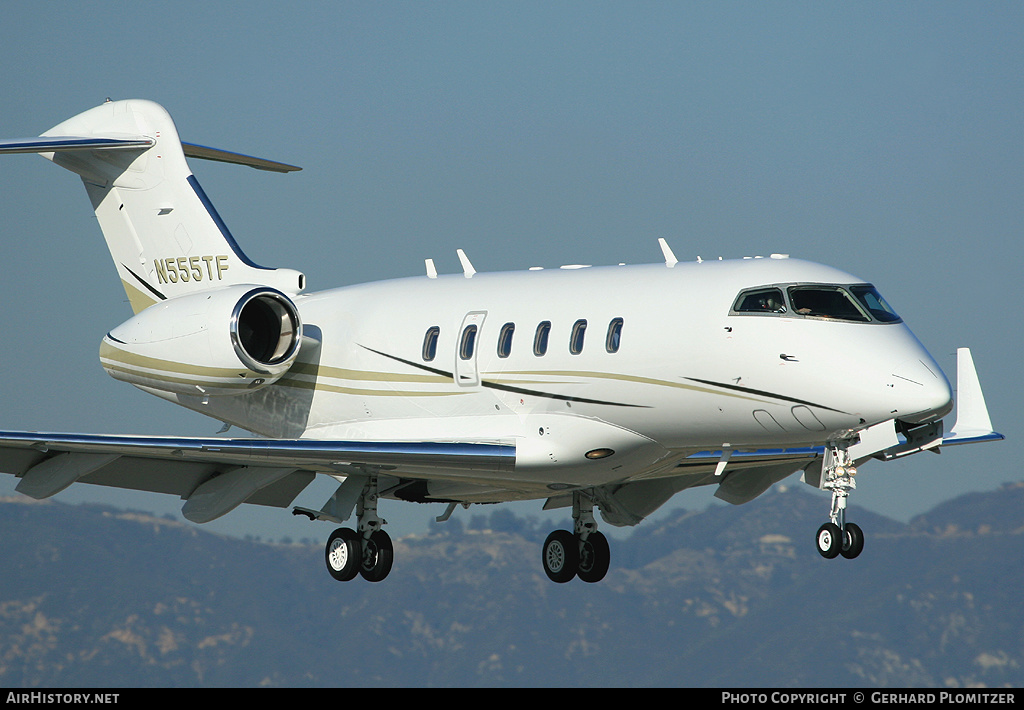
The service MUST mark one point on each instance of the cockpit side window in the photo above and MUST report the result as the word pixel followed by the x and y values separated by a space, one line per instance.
pixel 825 302
pixel 872 300
pixel 762 300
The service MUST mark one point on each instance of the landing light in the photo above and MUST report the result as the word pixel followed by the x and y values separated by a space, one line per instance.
pixel 599 453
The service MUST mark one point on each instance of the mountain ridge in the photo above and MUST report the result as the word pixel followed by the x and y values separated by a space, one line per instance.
pixel 94 596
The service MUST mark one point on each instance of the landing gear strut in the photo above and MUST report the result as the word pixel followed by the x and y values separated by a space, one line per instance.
pixel 368 552
pixel 838 537
pixel 583 553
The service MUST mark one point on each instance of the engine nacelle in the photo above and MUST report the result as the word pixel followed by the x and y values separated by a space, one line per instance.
pixel 223 342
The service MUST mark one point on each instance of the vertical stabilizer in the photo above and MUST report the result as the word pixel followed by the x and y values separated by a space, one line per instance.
pixel 163 233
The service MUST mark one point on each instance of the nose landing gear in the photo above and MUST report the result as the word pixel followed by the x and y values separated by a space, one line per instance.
pixel 833 541
pixel 838 537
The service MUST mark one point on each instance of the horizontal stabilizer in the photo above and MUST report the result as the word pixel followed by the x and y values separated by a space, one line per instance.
pixel 200 151
pixel 61 144
pixel 58 144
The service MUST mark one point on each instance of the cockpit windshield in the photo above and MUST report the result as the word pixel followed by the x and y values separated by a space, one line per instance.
pixel 856 304
pixel 825 302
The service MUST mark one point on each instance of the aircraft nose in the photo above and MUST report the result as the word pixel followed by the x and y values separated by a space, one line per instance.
pixel 920 391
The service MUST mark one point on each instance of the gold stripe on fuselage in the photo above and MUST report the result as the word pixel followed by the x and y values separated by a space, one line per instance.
pixel 622 378
pixel 162 370
pixel 170 371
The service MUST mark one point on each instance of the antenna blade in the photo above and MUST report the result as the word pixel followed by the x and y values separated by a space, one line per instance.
pixel 670 258
pixel 467 267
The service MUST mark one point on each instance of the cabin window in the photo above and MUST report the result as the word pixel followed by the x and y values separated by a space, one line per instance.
pixel 611 342
pixel 876 305
pixel 825 302
pixel 540 340
pixel 505 339
pixel 468 342
pixel 579 330
pixel 762 300
pixel 430 343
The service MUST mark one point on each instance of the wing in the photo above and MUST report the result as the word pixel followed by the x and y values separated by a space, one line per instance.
pixel 216 475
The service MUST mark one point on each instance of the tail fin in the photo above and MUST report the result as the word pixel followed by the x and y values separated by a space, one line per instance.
pixel 163 233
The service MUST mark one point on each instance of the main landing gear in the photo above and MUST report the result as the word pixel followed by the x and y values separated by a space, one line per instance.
pixel 838 537
pixel 368 552
pixel 583 553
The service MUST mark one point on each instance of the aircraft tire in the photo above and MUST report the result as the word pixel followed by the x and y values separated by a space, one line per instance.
pixel 378 556
pixel 853 541
pixel 343 554
pixel 830 540
pixel 561 556
pixel 595 557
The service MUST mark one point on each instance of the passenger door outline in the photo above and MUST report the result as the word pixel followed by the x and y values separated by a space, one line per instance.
pixel 466 371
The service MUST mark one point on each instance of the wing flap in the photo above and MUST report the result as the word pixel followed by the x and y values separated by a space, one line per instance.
pixel 174 477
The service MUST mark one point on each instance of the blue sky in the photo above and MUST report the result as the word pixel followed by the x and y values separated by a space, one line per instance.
pixel 883 138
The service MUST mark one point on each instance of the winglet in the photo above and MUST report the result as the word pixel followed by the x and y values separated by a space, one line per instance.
pixel 973 423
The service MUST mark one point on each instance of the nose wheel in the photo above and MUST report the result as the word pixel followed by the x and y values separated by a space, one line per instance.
pixel 838 537
pixel 833 541
pixel 853 541
pixel 830 539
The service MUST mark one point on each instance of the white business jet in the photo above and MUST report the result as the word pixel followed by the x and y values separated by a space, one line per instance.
pixel 608 388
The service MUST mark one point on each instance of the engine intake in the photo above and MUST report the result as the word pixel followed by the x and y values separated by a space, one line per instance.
pixel 264 329
pixel 223 342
